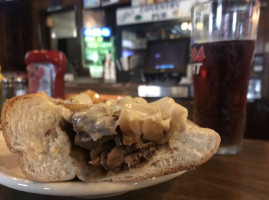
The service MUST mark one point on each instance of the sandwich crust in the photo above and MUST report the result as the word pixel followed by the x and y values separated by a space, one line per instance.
pixel 32 126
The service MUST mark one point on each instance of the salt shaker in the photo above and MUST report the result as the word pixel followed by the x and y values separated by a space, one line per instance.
pixel 20 86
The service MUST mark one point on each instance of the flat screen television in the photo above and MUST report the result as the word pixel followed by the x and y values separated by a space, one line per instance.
pixel 164 56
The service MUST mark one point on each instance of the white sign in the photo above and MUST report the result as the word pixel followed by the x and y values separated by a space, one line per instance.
pixel 155 12
pixel 91 3
pixel 109 2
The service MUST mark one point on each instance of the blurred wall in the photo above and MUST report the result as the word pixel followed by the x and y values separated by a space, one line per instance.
pixel 21 30
pixel 262 46
pixel 16 34
pixel 20 27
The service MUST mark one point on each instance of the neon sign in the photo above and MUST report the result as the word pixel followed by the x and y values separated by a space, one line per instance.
pixel 95 32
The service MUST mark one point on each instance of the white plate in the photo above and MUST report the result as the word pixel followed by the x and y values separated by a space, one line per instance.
pixel 11 176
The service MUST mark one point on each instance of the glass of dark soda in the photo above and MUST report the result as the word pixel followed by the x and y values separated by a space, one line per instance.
pixel 223 44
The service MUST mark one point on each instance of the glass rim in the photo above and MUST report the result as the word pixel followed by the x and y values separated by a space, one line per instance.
pixel 225 1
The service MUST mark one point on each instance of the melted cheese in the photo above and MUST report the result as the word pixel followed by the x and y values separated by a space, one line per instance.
pixel 82 99
pixel 78 102
pixel 135 117
pixel 96 122
pixel 153 120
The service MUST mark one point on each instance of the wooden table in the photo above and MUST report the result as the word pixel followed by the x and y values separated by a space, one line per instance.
pixel 242 176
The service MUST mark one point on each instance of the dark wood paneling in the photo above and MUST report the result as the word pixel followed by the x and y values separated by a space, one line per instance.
pixel 262 41
pixel 17 33
pixel 3 43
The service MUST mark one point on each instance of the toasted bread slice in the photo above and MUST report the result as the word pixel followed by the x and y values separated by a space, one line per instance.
pixel 31 127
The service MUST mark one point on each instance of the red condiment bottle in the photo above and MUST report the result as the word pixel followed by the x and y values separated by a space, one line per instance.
pixel 46 72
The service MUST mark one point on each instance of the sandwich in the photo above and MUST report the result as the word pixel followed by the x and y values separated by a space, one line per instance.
pixel 119 140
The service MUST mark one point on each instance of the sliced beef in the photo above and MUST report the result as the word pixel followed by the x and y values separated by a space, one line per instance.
pixel 130 149
pixel 115 158
pixel 131 160
pixel 111 154
pixel 95 162
pixel 118 140
pixel 89 143
pixel 103 160
pixel 109 161
pixel 137 158
pixel 105 147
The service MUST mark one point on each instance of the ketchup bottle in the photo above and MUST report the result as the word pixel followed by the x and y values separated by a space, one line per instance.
pixel 46 72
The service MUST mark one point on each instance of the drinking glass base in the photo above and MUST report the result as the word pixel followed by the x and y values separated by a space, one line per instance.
pixel 229 150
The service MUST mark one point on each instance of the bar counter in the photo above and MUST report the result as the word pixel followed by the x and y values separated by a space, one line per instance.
pixel 241 176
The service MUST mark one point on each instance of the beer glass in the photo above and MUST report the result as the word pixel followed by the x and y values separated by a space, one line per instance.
pixel 223 43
